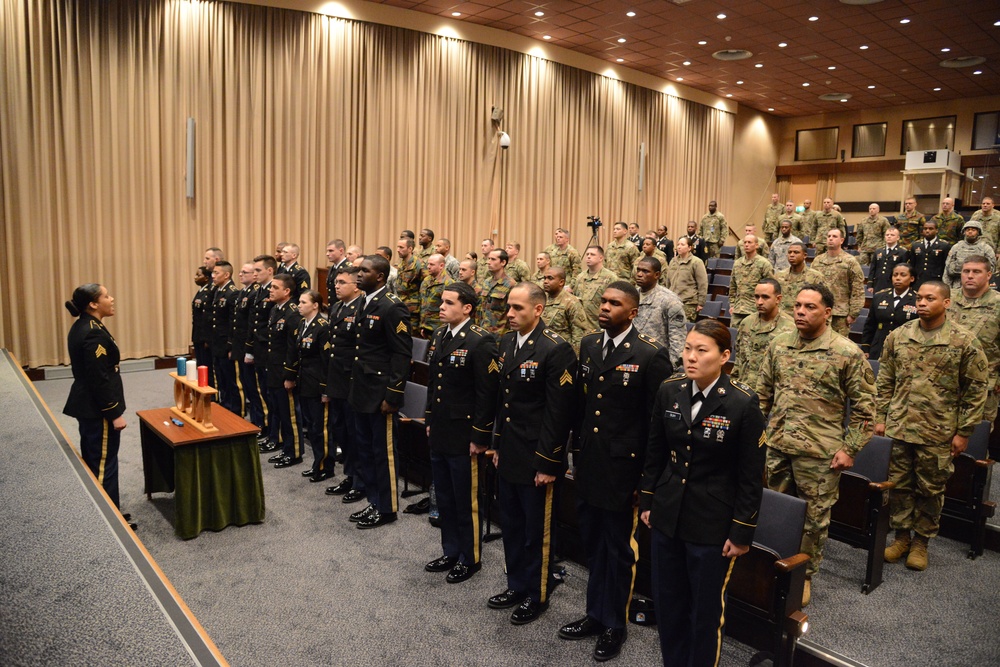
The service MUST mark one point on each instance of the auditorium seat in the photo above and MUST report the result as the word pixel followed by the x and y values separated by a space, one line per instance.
pixel 724 267
pixel 861 515
pixel 764 597
pixel 728 251
pixel 414 451
pixel 420 346
pixel 711 309
pixel 966 497
pixel 719 284
pixel 710 264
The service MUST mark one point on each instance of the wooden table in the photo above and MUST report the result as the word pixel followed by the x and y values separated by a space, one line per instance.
pixel 215 477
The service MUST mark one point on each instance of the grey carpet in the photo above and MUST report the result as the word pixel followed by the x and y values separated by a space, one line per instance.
pixel 69 594
pixel 306 588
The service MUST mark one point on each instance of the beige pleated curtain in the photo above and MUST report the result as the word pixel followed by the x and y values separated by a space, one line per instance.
pixel 308 128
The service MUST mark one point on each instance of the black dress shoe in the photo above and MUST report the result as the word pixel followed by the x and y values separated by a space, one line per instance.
pixel 287 461
pixel 340 489
pixel 361 514
pixel 422 506
pixel 277 457
pixel 505 600
pixel 268 446
pixel 353 496
pixel 126 516
pixel 133 525
pixel 609 644
pixel 461 572
pixel 376 519
pixel 320 476
pixel 308 473
pixel 585 627
pixel 528 611
pixel 441 564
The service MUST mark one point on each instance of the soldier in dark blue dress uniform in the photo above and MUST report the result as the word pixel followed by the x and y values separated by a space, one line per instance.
pixel 701 492
pixel 221 318
pixel 891 308
pixel 96 399
pixel 313 351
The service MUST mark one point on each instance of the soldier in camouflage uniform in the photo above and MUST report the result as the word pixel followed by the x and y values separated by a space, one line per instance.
pixel 426 240
pixel 972 244
pixel 950 224
pixel 542 262
pixel 714 229
pixel 805 382
pixel 747 272
pixel 589 284
pixel 772 215
pixel 467 275
pixel 910 223
pixel 621 254
pixel 795 276
pixel 843 275
pixel 989 218
pixel 661 313
pixel 688 279
pixel 561 253
pixel 869 234
pixel 976 307
pixel 482 270
pixel 763 248
pixel 516 268
pixel 409 277
pixel 755 332
pixel 778 254
pixel 808 217
pixel 649 249
pixel 430 295
pixel 493 307
pixel 932 386
pixel 788 213
pixel 563 311
pixel 826 220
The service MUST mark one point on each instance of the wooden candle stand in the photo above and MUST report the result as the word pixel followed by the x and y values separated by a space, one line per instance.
pixel 193 404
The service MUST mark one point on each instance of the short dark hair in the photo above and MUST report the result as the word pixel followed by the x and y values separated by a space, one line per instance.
pixel 379 264
pixel 773 283
pixel 905 266
pixel 349 269
pixel 313 296
pixel 626 288
pixel 653 262
pixel 205 271
pixel 225 266
pixel 428 232
pixel 823 290
pixel 286 280
pixel 797 244
pixel 504 257
pixel 536 295
pixel 269 261
pixel 408 241
pixel 386 250
pixel 338 243
pixel 715 330
pixel 466 295
pixel 407 234
pixel 596 247
pixel 942 287
pixel 977 259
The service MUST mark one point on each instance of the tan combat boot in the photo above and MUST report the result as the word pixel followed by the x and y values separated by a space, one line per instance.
pixel 899 548
pixel 917 560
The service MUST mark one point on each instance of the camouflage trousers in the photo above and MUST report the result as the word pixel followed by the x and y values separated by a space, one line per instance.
pixel 812 480
pixel 865 257
pixel 711 249
pixel 839 324
pixel 920 473
pixel 990 412
pixel 690 312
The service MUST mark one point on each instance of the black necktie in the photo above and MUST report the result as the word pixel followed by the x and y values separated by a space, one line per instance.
pixel 895 301
pixel 696 402
pixel 447 337
pixel 609 348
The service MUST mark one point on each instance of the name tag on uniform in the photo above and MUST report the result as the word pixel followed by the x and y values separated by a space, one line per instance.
pixel 670 414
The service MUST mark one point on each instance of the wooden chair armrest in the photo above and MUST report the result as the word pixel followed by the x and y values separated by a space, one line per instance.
pixel 791 563
pixel 881 486
pixel 984 464
pixel 490 452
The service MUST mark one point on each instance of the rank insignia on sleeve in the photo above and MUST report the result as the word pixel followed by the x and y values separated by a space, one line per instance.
pixel 565 378
pixel 493 368
pixel 869 374
pixel 100 351
pixel 763 440
pixel 401 327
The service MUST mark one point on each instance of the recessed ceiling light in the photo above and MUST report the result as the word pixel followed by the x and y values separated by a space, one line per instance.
pixel 945 50
pixel 871 87
pixel 782 45
pixel 729 94
pixel 546 36
pixel 702 43
pixel 630 14
pixel 863 47
pixel 996 23
pixel 759 65
pixel 739 83
pixel 832 67
pixel 621 60
pixel 814 18
pixel 621 40
pixel 539 13
pixel 937 90
pixel 680 78
pixel 904 21
pixel 978 71
pixel 686 63
pixel 770 108
pixel 720 16
pixel 456 13
pixel 843 100
pixel 806 85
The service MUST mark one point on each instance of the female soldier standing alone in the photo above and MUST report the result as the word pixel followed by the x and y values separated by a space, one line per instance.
pixel 96 399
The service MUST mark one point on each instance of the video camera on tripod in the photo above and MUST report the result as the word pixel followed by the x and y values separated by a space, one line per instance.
pixel 594 222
